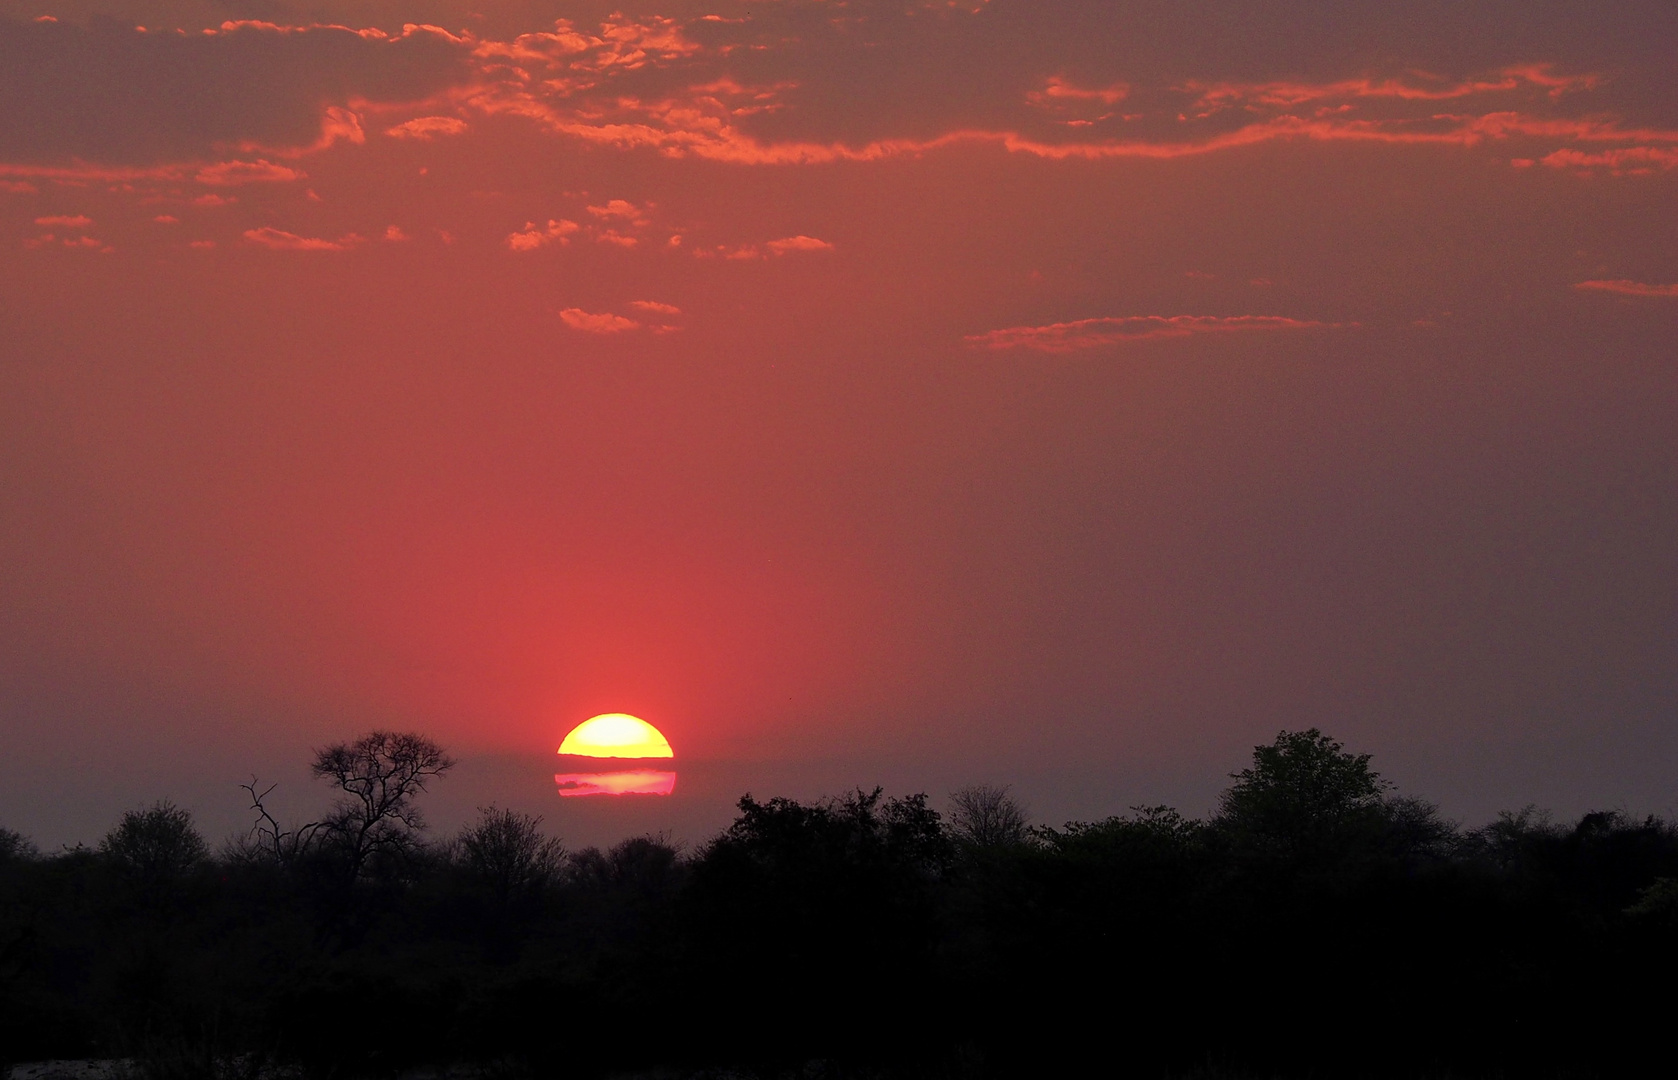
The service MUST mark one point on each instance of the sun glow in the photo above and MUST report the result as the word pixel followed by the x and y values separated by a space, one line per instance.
pixel 633 782
pixel 616 735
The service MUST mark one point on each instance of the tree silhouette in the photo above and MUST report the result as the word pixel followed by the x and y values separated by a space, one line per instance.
pixel 14 845
pixel 382 774
pixel 506 852
pixel 1301 791
pixel 156 846
pixel 986 816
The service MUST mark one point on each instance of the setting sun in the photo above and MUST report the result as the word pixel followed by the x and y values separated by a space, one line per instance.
pixel 616 735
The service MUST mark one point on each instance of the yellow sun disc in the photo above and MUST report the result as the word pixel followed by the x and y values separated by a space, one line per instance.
pixel 616 735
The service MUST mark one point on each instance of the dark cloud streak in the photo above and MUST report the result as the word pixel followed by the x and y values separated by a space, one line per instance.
pixel 108 93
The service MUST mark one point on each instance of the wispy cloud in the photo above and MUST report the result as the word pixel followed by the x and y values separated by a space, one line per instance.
pixel 1092 333
pixel 427 127
pixel 797 243
pixel 280 240
pixel 232 173
pixel 1628 288
pixel 603 323
pixel 66 221
pixel 655 307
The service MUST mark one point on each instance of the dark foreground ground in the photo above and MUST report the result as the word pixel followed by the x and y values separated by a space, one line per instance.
pixel 1317 926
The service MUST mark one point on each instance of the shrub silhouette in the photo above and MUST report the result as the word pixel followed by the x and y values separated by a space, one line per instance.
pixel 157 847
pixel 506 853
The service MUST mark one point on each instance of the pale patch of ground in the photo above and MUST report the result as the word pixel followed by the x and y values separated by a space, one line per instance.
pixel 86 1069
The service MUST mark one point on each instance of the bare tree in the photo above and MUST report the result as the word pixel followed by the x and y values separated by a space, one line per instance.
pixel 382 774
pixel 986 816
pixel 506 851
pixel 267 840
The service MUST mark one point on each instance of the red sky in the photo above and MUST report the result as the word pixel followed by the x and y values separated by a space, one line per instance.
pixel 1069 394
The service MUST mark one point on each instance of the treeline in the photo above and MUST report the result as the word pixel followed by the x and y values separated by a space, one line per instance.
pixel 1317 924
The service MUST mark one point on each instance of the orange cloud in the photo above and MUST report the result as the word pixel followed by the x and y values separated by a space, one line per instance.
pixel 656 307
pixel 336 124
pixel 621 45
pixel 1091 333
pixel 1420 87
pixel 427 127
pixel 79 221
pixel 621 208
pixel 534 236
pixel 797 243
pixel 603 323
pixel 280 240
pixel 1624 161
pixel 1056 89
pixel 232 173
pixel 1628 288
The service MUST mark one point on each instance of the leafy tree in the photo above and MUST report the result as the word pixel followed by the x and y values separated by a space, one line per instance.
pixel 986 816
pixel 1301 791
pixel 16 846
pixel 157 846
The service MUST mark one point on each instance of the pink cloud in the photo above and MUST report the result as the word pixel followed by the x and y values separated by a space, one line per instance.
pixel 1057 89
pixel 797 243
pixel 395 234
pixel 534 236
pixel 202 245
pixel 77 243
pixel 656 307
pixel 280 240
pixel 1091 333
pixel 82 175
pixel 603 323
pixel 261 171
pixel 167 219
pixel 63 221
pixel 19 187
pixel 212 199
pixel 612 236
pixel 1419 87
pixel 632 782
pixel 427 127
pixel 1628 288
